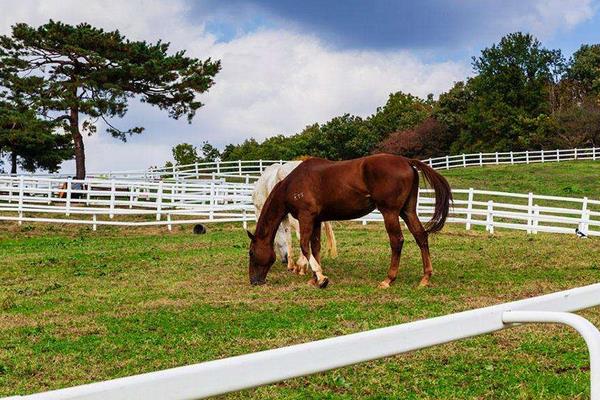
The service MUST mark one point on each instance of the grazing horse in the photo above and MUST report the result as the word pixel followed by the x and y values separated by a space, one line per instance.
pixel 272 175
pixel 320 190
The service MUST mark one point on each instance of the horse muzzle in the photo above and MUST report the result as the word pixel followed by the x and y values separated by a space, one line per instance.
pixel 257 281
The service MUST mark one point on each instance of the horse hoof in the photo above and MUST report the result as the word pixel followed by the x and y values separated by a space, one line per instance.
pixel 312 282
pixel 384 285
pixel 323 284
pixel 424 283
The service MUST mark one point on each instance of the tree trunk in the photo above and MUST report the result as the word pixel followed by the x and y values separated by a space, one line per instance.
pixel 13 163
pixel 78 142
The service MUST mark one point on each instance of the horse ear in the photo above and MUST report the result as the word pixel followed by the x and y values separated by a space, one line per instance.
pixel 250 234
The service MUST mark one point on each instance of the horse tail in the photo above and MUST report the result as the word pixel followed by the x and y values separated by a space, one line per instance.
pixel 443 195
pixel 331 242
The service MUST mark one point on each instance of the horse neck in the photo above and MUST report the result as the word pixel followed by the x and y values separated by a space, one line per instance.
pixel 273 212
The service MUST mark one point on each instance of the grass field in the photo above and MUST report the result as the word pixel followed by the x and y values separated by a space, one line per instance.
pixel 78 306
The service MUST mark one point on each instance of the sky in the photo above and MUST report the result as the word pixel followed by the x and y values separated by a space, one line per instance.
pixel 287 64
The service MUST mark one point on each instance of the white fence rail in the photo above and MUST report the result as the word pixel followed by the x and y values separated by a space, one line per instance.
pixel 257 369
pixel 131 203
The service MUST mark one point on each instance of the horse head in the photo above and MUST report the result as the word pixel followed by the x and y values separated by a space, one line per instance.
pixel 261 258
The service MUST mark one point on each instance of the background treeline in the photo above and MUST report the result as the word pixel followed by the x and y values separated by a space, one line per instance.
pixel 522 97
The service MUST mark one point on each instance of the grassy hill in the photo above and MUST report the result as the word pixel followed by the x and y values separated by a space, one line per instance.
pixel 573 179
pixel 78 306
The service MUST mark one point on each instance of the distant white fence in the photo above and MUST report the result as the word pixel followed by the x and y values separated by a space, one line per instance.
pixel 251 370
pixel 242 169
pixel 512 158
pixel 141 203
pixel 255 167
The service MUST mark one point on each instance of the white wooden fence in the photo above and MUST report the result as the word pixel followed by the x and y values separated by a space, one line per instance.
pixel 242 168
pixel 126 203
pixel 254 167
pixel 512 158
pixel 251 370
pixel 139 203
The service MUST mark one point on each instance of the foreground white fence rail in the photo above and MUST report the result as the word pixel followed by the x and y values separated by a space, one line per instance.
pixel 257 369
pixel 141 203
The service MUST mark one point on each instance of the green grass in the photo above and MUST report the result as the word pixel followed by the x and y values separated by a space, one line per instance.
pixel 78 306
pixel 573 179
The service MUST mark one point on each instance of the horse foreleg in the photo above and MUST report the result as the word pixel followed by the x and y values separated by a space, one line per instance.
pixel 302 262
pixel 418 231
pixel 308 235
pixel 392 226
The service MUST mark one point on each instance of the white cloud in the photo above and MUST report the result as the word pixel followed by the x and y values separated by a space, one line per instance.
pixel 273 81
pixel 550 16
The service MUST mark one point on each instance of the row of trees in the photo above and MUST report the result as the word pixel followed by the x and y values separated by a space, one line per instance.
pixel 58 81
pixel 522 96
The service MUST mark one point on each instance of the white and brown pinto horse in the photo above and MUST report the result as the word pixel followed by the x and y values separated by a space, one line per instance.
pixel 270 177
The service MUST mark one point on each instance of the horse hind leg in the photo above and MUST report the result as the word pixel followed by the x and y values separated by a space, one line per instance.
pixel 421 236
pixel 392 226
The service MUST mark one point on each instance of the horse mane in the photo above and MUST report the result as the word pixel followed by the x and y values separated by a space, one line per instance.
pixel 273 212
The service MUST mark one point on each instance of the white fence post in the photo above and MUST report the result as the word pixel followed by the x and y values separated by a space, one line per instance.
pixel 490 217
pixel 169 225
pixel 244 219
pixel 68 203
pixel 464 158
pixel 94 227
pixel 88 195
pixel 497 160
pixel 542 156
pixel 585 217
pixel 112 200
pixel 132 191
pixel 159 194
pixel 49 191
pixel 260 166
pixel 527 156
pixel 480 159
pixel 576 153
pixel 512 160
pixel 240 166
pixel 211 213
pixel 536 216
pixel 557 155
pixel 529 212
pixel 469 208
pixel 21 189
pixel 594 153
pixel 447 162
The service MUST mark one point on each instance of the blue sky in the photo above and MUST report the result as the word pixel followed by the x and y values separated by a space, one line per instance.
pixel 437 29
pixel 287 64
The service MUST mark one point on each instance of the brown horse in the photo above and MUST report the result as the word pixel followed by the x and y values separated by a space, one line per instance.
pixel 320 190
